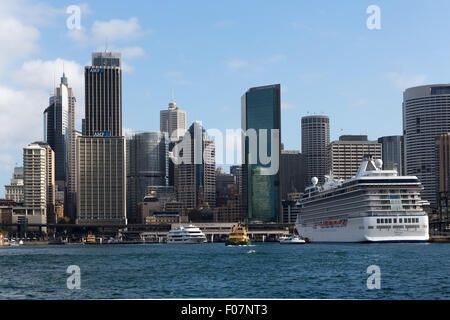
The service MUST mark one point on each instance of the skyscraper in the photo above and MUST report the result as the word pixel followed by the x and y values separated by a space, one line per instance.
pixel 39 178
pixel 315 140
pixel 426 114
pixel 14 191
pixel 173 121
pixel 195 183
pixel 147 165
pixel 392 150
pixel 103 92
pixel 293 173
pixel 59 133
pixel 261 190
pixel 346 155
pixel 101 163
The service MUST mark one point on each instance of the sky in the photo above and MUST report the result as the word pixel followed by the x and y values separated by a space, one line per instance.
pixel 211 52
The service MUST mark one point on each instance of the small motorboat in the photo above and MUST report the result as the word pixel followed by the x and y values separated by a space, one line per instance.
pixel 292 239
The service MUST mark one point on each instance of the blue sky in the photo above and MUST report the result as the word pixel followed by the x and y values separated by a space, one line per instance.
pixel 210 52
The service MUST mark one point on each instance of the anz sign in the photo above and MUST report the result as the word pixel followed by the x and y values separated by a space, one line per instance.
pixel 96 70
pixel 101 134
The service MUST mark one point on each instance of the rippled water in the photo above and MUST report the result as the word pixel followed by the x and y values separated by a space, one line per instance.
pixel 266 270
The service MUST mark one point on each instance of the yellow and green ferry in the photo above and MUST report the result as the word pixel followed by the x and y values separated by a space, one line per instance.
pixel 238 236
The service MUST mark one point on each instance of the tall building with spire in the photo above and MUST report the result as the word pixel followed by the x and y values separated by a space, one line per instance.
pixel 59 134
pixel 173 121
pixel 101 163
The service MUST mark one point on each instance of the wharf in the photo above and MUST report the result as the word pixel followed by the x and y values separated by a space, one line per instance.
pixel 440 238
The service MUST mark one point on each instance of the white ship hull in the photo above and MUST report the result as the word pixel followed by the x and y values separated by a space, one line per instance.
pixel 366 229
pixel 187 241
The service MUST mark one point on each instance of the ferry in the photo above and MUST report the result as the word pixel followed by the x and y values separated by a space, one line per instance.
pixel 292 239
pixel 238 236
pixel 374 206
pixel 188 235
pixel 91 239
pixel 3 241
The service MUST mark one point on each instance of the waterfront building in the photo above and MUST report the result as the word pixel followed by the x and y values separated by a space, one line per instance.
pixel 147 165
pixel 261 192
pixel 293 173
pixel 195 183
pixel 443 165
pixel 101 163
pixel 6 211
pixel 101 197
pixel 392 151
pixel 426 114
pixel 14 191
pixel 315 140
pixel 290 211
pixel 39 178
pixel 224 181
pixel 346 155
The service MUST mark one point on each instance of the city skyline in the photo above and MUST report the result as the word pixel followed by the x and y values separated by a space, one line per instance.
pixel 373 80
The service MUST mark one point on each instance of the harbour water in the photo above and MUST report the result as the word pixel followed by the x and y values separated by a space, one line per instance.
pixel 265 270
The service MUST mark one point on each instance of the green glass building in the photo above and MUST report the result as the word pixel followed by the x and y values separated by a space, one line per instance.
pixel 261 191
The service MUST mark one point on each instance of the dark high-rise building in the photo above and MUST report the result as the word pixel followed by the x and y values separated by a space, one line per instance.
pixel 103 93
pixel 392 153
pixel 56 127
pixel 315 140
pixel 426 114
pixel 195 181
pixel 293 172
pixel 101 163
pixel 443 163
pixel 261 186
pixel 147 165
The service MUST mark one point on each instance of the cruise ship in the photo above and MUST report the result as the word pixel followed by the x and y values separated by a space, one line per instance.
pixel 374 206
pixel 189 235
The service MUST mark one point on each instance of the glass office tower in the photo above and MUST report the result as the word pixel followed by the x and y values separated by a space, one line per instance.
pixel 261 192
pixel 147 165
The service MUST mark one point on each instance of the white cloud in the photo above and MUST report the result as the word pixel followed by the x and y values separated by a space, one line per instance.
pixel 21 120
pixel 18 40
pixel 404 81
pixel 116 29
pixel 38 77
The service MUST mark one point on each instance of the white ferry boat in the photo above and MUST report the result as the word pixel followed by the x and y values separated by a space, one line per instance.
pixel 375 206
pixel 190 235
pixel 292 239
